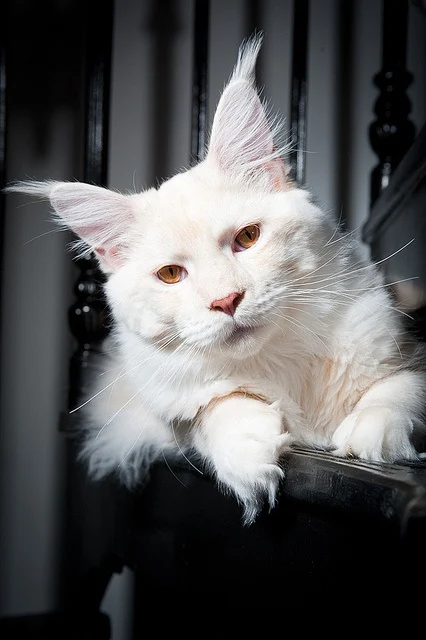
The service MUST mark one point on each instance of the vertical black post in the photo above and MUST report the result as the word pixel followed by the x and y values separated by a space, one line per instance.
pixel 98 77
pixel 3 23
pixel 3 26
pixel 253 16
pixel 90 515
pixel 163 23
pixel 199 81
pixel 299 93
pixel 392 133
pixel 88 315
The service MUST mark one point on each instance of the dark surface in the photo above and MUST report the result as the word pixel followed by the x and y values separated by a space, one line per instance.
pixel 337 522
pixel 56 626
pixel 346 539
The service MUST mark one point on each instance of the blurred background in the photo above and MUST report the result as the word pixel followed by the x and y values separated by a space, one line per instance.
pixel 149 139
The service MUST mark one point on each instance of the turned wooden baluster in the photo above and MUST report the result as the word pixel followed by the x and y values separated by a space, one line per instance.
pixel 89 517
pixel 392 133
pixel 88 316
pixel 88 320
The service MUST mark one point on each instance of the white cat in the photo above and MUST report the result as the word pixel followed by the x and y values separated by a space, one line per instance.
pixel 244 320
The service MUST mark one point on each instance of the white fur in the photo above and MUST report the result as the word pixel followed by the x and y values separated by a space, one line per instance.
pixel 311 355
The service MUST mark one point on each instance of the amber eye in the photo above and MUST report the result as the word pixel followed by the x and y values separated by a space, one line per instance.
pixel 171 274
pixel 247 237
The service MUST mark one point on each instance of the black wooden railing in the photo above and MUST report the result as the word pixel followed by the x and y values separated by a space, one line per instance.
pixel 3 130
pixel 88 316
pixel 200 80
pixel 3 24
pixel 392 133
pixel 299 90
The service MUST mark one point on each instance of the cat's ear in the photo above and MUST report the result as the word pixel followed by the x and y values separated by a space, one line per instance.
pixel 243 136
pixel 98 216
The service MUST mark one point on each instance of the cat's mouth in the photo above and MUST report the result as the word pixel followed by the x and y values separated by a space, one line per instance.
pixel 240 333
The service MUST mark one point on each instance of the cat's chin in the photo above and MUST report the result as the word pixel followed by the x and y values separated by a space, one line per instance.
pixel 244 342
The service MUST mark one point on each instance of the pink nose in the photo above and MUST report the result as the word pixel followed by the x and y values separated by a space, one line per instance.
pixel 229 304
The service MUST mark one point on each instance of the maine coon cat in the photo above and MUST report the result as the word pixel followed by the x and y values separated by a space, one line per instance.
pixel 244 320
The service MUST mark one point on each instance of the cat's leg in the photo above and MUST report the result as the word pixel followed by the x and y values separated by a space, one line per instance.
pixel 383 422
pixel 242 438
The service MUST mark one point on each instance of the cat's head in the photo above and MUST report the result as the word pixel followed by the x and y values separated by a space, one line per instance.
pixel 211 256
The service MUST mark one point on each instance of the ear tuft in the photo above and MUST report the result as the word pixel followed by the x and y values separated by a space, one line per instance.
pixel 100 217
pixel 244 141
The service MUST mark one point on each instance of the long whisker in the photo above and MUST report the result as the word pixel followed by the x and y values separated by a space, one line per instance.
pixel 171 470
pixel 324 264
pixel 337 227
pixel 193 353
pixel 41 235
pixel 98 393
pixel 340 293
pixel 341 276
pixel 120 374
pixel 161 388
pixel 311 315
pixel 300 325
pixel 137 392
pixel 344 235
pixel 183 454
pixel 291 329
pixel 113 382
pixel 310 300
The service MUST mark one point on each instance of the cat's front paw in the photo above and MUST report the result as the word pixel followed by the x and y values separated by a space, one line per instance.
pixel 377 433
pixel 253 484
pixel 245 441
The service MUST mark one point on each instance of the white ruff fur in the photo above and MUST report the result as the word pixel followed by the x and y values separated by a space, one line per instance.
pixel 315 353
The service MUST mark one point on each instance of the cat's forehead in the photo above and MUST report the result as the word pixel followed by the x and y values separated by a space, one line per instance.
pixel 197 202
pixel 187 217
pixel 194 213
